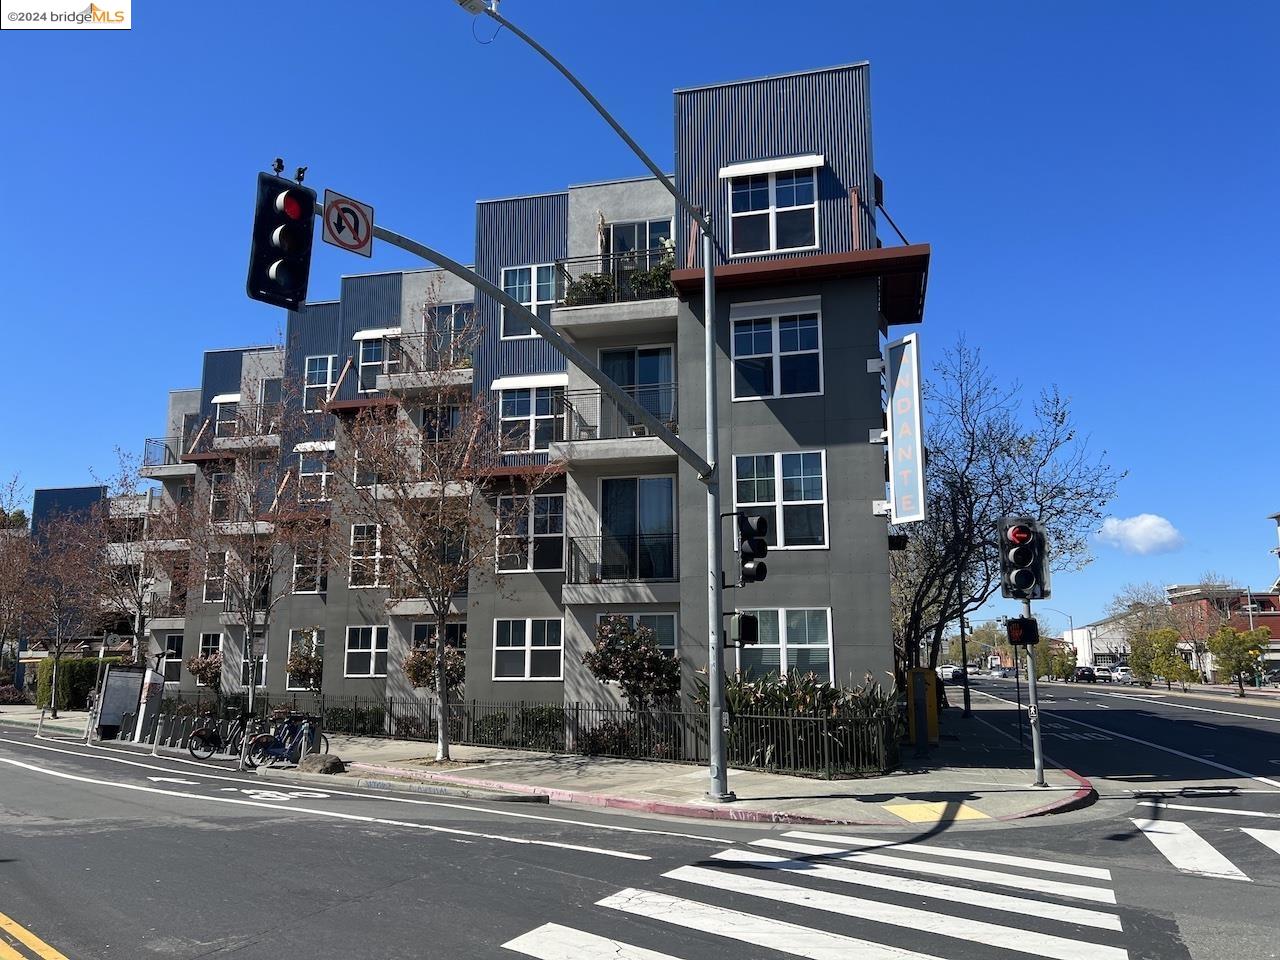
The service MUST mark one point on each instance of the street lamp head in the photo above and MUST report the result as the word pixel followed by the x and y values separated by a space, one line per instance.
pixel 474 6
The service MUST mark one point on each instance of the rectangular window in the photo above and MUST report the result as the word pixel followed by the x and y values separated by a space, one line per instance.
pixel 537 288
pixel 439 422
pixel 220 490
pixel 172 657
pixel 777 356
pixel 310 641
pixel 258 666
pixel 663 626
pixel 797 519
pixel 451 321
pixel 531 533
pixel 455 635
pixel 773 212
pixel 366 555
pixel 531 418
pixel 363 477
pixel 224 419
pixel 215 577
pixel 366 652
pixel 791 641
pixel 314 475
pixel 310 569
pixel 320 376
pixel 210 643
pixel 527 649
pixel 377 356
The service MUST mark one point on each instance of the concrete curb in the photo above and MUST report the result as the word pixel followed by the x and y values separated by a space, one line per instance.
pixel 1082 798
pixel 436 790
pixel 698 811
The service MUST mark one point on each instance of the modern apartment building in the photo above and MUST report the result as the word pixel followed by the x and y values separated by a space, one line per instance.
pixel 806 296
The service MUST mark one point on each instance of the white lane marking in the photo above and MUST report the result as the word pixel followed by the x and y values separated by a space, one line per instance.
pixel 1022 906
pixel 551 941
pixel 1058 888
pixel 1156 746
pixel 1270 837
pixel 982 856
pixel 189 783
pixel 1187 850
pixel 1160 804
pixel 1186 706
pixel 768 932
pixel 333 814
pixel 262 781
pixel 1102 706
pixel 974 931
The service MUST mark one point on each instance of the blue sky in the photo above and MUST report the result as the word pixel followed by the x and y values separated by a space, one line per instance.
pixel 1097 180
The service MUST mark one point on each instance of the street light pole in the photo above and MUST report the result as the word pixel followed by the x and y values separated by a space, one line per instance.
pixel 964 665
pixel 718 788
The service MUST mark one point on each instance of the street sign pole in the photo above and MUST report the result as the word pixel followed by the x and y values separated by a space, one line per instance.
pixel 1033 706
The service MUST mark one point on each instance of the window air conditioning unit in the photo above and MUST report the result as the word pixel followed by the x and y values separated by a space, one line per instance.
pixel 639 430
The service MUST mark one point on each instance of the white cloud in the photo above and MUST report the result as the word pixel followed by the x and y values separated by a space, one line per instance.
pixel 1144 534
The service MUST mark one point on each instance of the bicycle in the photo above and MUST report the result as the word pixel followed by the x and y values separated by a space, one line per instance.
pixel 206 740
pixel 288 742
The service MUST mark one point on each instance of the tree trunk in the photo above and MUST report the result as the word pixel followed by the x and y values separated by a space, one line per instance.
pixel 442 696
pixel 53 690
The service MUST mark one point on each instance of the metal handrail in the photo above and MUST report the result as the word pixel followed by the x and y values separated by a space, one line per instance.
pixel 617 277
pixel 162 451
pixel 624 559
pixel 593 415
pixel 426 351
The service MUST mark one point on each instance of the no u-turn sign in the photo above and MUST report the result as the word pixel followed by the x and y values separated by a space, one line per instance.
pixel 348 223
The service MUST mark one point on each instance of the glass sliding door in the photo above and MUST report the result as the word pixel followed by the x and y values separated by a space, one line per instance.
pixel 637 528
pixel 648 375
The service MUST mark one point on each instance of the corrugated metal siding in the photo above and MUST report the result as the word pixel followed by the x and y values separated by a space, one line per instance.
pixel 222 369
pixel 314 331
pixel 367 303
pixel 826 112
pixel 48 503
pixel 516 233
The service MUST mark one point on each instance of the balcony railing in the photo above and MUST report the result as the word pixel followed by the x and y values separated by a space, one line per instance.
pixel 617 277
pixel 593 415
pixel 250 420
pixel 425 351
pixel 162 452
pixel 625 559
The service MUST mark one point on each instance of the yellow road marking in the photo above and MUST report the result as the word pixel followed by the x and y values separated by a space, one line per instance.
pixel 934 812
pixel 21 933
pixel 8 953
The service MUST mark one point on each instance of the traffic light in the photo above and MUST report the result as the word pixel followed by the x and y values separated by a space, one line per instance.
pixel 1022 631
pixel 1024 559
pixel 744 629
pixel 280 252
pixel 751 548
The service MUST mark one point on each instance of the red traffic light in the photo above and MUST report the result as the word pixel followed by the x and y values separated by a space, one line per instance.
pixel 292 204
pixel 1020 534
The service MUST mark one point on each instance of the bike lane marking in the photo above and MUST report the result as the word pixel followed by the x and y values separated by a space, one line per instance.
pixel 332 814
pixel 263 782
pixel 1147 743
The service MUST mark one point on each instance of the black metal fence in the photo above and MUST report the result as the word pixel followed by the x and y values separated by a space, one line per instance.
pixel 593 415
pixel 610 559
pixel 162 451
pixel 812 746
pixel 617 277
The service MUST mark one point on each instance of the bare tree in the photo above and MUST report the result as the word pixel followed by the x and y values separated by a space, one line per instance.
pixel 431 502
pixel 16 601
pixel 985 461
pixel 65 606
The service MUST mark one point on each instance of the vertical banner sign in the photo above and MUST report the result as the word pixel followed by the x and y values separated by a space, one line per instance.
pixel 906 432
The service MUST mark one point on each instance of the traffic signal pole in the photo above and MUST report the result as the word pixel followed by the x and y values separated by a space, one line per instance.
pixel 1033 705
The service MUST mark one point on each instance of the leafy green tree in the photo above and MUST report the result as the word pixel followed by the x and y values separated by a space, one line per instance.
pixel 1238 653
pixel 1062 662
pixel 1166 659
pixel 630 657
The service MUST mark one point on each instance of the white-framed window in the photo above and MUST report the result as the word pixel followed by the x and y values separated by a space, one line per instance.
pixel 450 321
pixel 310 568
pixel 221 487
pixel 172 658
pixel 792 640
pixel 363 478
pixel 439 421
pixel 366 555
pixel 534 286
pixel 529 417
pixel 778 356
pixel 310 640
pixel 527 649
pixel 531 533
pixel 789 490
pixel 366 652
pixel 224 419
pixel 663 626
pixel 773 212
pixel 320 376
pixel 455 635
pixel 215 577
pixel 258 666
pixel 210 643
pixel 314 476
pixel 377 355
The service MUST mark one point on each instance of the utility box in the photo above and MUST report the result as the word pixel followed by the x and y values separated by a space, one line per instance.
pixel 922 706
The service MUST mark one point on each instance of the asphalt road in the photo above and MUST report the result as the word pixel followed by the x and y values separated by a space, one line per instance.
pixel 108 854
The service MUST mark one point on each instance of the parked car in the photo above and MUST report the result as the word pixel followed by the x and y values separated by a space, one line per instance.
pixel 1004 673
pixel 1122 675
pixel 1085 675
pixel 949 671
pixel 1102 674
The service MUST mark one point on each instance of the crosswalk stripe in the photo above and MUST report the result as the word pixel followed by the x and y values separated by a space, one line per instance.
pixel 975 931
pixel 1187 850
pixel 551 941
pixel 1060 888
pixel 952 853
pixel 927 888
pixel 767 932
pixel 1161 805
pixel 1270 837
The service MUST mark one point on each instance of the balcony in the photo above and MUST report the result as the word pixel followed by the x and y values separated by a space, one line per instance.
pixel 254 426
pixel 162 459
pixel 623 569
pixel 422 362
pixel 616 293
pixel 597 430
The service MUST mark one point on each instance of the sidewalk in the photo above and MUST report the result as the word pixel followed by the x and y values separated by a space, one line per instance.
pixel 69 722
pixel 975 775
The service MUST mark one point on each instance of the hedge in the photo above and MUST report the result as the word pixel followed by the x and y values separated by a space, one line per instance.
pixel 75 680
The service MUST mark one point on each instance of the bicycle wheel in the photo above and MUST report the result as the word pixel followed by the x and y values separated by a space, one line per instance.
pixel 201 746
pixel 260 749
pixel 324 743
